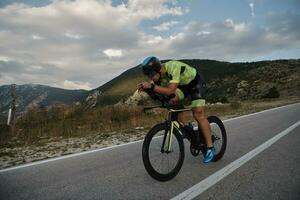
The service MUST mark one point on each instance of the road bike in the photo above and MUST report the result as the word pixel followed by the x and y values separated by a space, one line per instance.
pixel 163 147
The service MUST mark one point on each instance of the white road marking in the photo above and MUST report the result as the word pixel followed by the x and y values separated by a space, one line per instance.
pixel 200 187
pixel 66 156
pixel 111 147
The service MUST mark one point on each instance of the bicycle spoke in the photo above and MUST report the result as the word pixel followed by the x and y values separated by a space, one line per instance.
pixel 173 156
pixel 164 162
pixel 156 155
pixel 161 163
pixel 164 156
pixel 168 164
pixel 218 139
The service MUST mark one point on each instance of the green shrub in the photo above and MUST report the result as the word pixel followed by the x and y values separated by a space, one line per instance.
pixel 272 93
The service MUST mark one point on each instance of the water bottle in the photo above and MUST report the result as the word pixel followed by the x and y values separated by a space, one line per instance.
pixel 193 126
pixel 195 134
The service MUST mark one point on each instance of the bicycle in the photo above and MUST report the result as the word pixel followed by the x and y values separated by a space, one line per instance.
pixel 165 140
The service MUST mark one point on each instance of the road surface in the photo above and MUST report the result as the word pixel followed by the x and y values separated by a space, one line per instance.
pixel 118 172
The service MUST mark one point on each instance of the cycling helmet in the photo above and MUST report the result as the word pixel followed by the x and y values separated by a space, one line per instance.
pixel 151 65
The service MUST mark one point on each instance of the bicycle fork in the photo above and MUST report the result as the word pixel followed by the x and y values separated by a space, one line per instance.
pixel 168 137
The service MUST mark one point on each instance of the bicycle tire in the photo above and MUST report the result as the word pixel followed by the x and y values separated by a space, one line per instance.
pixel 219 123
pixel 145 154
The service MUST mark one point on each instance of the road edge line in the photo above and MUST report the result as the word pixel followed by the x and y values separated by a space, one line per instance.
pixel 205 184
pixel 120 145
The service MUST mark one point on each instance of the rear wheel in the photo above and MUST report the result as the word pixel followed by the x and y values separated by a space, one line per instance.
pixel 219 137
pixel 160 163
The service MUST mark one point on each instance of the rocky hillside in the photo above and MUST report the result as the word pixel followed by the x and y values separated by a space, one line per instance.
pixel 117 89
pixel 38 95
pixel 259 80
pixel 226 81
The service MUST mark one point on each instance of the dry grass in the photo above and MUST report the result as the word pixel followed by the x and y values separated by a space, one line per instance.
pixel 64 130
pixel 76 121
pixel 234 109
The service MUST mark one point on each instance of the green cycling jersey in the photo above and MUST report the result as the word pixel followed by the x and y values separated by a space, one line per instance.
pixel 182 74
pixel 178 72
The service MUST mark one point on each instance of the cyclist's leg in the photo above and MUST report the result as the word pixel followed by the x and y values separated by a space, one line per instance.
pixel 181 117
pixel 197 91
pixel 203 124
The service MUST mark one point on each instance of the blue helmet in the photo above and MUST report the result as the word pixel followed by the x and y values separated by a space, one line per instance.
pixel 151 65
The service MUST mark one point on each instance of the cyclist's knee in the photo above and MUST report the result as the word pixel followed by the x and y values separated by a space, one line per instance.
pixel 198 114
pixel 182 119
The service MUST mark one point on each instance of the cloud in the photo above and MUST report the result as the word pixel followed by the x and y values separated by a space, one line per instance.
pixel 165 26
pixel 203 33
pixel 67 35
pixel 36 37
pixel 111 53
pixel 73 36
pixel 230 40
pixel 4 58
pixel 84 43
pixel 145 9
pixel 237 27
pixel 284 25
pixel 252 9
pixel 154 40
pixel 76 85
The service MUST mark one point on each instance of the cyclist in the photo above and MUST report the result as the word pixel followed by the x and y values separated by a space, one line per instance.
pixel 182 80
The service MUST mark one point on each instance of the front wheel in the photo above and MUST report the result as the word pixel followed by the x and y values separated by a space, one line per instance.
pixel 162 163
pixel 219 137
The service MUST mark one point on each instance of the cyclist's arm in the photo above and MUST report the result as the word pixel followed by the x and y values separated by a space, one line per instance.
pixel 169 90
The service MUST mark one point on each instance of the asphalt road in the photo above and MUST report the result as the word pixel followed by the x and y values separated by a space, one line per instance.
pixel 118 173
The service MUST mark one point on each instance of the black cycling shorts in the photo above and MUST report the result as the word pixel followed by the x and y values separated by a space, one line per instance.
pixel 196 89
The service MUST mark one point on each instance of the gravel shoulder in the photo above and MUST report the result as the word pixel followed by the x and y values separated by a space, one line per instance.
pixel 15 153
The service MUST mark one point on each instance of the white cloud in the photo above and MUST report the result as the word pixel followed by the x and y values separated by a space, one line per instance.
pixel 177 36
pixel 233 41
pixel 73 36
pixel 155 40
pixel 4 58
pixel 145 9
pixel 252 9
pixel 203 33
pixel 85 40
pixel 36 67
pixel 111 53
pixel 165 26
pixel 76 85
pixel 90 24
pixel 237 27
pixel 36 37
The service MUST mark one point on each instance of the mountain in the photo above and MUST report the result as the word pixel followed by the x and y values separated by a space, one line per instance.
pixel 118 88
pixel 38 95
pixel 225 80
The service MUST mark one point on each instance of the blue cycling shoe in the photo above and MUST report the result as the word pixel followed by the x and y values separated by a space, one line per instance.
pixel 209 155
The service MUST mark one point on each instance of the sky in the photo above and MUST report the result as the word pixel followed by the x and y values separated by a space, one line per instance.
pixel 82 44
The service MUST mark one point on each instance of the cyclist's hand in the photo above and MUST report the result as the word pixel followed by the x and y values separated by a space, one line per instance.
pixel 140 87
pixel 144 86
pixel 174 100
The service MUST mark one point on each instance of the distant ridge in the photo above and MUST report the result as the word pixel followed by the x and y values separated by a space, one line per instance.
pixel 249 80
pixel 38 95
pixel 225 80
